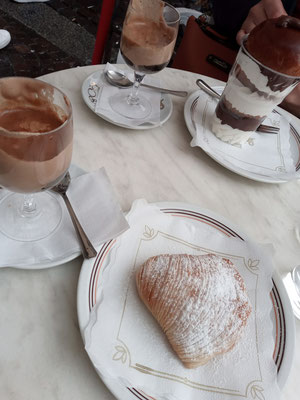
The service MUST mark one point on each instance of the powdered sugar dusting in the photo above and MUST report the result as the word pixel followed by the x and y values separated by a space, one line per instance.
pixel 200 302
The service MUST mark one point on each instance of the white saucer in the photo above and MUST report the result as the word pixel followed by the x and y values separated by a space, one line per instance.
pixel 89 94
pixel 75 171
pixel 294 132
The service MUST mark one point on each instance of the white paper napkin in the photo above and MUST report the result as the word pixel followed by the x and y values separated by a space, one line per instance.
pixel 131 349
pixel 106 91
pixel 263 154
pixel 98 211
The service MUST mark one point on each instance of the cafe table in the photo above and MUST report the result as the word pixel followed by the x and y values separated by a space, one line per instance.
pixel 41 350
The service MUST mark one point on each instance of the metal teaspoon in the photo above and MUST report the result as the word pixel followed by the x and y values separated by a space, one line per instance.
pixel 120 80
pixel 88 250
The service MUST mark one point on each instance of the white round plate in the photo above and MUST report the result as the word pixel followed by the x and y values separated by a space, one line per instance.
pixel 294 141
pixel 282 316
pixel 89 94
pixel 75 171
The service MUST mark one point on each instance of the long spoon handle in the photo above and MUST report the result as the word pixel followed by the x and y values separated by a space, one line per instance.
pixel 209 90
pixel 180 93
pixel 88 250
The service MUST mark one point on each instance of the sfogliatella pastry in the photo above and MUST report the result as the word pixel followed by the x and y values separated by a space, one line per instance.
pixel 266 70
pixel 199 301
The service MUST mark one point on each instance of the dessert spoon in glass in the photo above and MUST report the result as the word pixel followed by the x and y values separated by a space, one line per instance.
pixel 88 250
pixel 120 80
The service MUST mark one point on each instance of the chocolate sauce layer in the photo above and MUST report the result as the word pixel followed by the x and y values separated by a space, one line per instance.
pixel 236 120
pixel 286 21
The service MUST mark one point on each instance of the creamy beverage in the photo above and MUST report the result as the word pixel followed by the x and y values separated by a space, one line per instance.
pixel 36 135
pixel 147 42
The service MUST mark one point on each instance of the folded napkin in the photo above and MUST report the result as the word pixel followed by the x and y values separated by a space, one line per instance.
pixel 98 211
pixel 264 154
pixel 130 349
pixel 106 91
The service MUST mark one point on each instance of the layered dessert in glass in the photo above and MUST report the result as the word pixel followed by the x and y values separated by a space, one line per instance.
pixel 266 70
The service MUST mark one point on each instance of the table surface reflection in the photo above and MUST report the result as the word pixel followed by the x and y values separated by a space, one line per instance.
pixel 41 350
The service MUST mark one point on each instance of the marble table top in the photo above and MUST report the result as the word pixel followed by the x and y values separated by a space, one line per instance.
pixel 41 350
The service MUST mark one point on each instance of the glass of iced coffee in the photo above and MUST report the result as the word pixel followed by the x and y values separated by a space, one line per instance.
pixel 36 137
pixel 147 43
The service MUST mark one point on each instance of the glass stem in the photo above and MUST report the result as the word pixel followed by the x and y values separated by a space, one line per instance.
pixel 133 97
pixel 28 208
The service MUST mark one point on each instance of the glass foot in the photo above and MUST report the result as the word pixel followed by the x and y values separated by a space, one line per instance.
pixel 20 223
pixel 121 104
pixel 292 285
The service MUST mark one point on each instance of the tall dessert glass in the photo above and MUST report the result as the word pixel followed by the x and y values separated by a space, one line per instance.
pixel 251 93
pixel 36 137
pixel 147 43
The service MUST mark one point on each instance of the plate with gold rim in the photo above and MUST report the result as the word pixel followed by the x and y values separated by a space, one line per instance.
pixel 282 315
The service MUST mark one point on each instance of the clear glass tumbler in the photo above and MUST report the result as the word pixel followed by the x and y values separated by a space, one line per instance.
pixel 251 93
pixel 147 43
pixel 36 138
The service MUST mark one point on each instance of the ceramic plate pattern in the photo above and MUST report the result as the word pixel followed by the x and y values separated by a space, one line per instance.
pixel 190 105
pixel 282 318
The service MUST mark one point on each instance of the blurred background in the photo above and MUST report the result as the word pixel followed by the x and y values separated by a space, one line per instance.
pixel 60 34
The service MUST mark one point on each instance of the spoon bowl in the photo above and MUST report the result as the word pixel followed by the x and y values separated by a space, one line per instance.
pixel 118 79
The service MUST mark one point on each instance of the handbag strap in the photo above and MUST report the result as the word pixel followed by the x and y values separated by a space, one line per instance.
pixel 214 35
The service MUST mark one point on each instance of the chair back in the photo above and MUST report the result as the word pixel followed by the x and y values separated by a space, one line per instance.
pixel 104 23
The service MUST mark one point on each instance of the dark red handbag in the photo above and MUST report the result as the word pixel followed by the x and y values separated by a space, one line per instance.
pixel 204 51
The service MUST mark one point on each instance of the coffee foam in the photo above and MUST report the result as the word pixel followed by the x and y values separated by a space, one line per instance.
pixel 147 40
pixel 36 134
pixel 152 8
pixel 31 120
